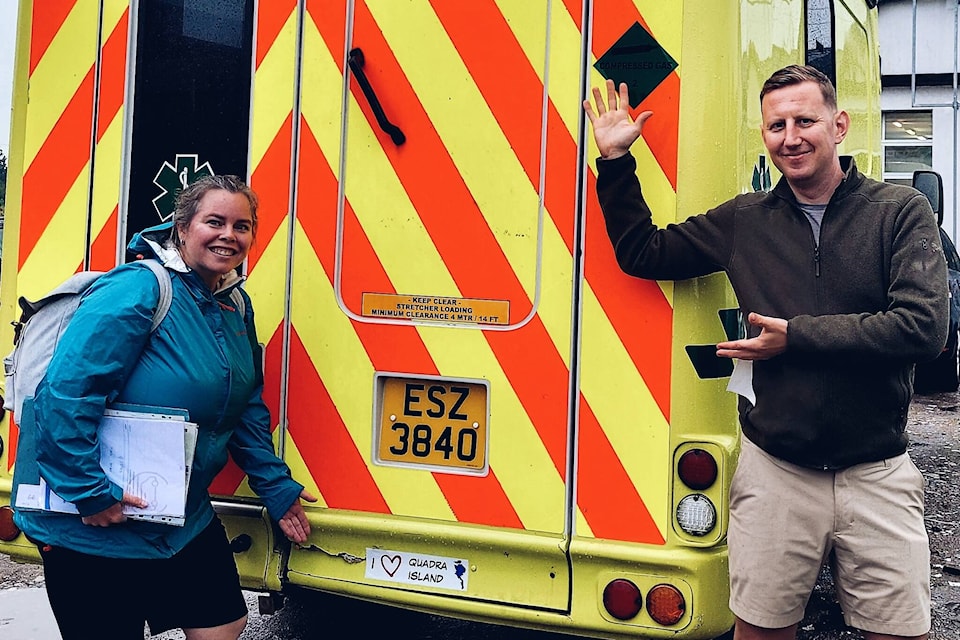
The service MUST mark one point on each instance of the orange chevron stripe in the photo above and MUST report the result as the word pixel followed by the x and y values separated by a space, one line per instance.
pixel 530 382
pixel 511 102
pixel 271 180
pixel 575 9
pixel 638 311
pixel 650 348
pixel 487 66
pixel 545 403
pixel 103 250
pixel 112 75
pixel 609 493
pixel 334 462
pixel 605 494
pixel 441 191
pixel 48 16
pixel 271 16
pixel 611 18
pixel 397 348
pixel 113 56
pixel 12 438
pixel 62 157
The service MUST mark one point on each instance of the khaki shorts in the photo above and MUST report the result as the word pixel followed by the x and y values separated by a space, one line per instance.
pixel 785 520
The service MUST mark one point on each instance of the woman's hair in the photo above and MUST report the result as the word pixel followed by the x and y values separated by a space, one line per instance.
pixel 796 74
pixel 188 201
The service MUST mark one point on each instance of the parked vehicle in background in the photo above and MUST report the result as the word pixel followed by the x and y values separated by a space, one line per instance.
pixel 942 374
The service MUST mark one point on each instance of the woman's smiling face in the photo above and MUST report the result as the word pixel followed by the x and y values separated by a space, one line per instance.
pixel 218 236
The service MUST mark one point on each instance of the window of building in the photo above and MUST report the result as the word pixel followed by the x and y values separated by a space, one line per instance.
pixel 907 144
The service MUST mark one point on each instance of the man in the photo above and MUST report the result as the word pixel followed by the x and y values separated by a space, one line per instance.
pixel 843 283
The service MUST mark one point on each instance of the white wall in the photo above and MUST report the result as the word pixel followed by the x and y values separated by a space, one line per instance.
pixel 936 54
pixel 935 36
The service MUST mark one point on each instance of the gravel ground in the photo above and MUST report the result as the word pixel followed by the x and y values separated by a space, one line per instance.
pixel 934 428
pixel 935 434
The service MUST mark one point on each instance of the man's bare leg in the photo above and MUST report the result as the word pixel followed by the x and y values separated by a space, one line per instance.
pixel 746 631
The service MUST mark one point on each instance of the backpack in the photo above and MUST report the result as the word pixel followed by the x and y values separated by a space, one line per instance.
pixel 42 323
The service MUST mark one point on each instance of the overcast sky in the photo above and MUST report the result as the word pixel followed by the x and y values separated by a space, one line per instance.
pixel 8 33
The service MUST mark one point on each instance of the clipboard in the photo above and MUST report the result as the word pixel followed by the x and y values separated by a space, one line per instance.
pixel 146 450
pixel 144 416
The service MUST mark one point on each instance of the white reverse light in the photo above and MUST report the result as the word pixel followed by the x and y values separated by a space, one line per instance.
pixel 696 515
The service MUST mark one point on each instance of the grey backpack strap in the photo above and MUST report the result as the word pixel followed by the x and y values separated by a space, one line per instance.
pixel 238 302
pixel 166 291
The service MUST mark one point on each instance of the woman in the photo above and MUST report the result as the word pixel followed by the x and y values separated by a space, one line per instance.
pixel 106 575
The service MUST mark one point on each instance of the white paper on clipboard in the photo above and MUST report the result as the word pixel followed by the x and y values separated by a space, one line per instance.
pixel 149 452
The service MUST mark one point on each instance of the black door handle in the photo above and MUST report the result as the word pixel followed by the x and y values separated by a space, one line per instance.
pixel 355 60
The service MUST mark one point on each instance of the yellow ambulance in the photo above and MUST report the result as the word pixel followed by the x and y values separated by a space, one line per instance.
pixel 500 425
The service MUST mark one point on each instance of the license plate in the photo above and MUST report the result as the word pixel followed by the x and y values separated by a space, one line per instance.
pixel 432 423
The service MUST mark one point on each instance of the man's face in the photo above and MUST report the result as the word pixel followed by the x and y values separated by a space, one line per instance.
pixel 801 134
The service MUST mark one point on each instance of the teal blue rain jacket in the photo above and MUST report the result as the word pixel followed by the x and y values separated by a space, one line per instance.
pixel 203 357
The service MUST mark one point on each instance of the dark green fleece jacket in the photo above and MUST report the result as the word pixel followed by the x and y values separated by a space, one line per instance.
pixel 862 307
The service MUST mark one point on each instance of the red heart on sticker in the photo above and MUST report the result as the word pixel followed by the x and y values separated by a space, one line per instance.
pixel 390 564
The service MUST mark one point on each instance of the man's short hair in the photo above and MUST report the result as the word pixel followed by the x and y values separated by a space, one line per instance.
pixel 795 74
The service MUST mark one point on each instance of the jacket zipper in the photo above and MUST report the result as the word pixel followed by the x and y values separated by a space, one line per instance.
pixel 816 261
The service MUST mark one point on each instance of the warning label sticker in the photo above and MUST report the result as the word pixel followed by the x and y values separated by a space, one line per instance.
pixel 639 60
pixel 436 309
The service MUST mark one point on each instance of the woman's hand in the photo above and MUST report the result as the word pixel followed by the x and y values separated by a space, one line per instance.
pixel 294 523
pixel 114 515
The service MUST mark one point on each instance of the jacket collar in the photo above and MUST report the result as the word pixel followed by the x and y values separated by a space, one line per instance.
pixel 852 179
pixel 156 241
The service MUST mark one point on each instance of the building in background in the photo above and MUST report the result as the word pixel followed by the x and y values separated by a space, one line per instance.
pixel 919 64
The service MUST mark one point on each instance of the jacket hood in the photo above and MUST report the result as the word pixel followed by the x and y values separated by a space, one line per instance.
pixel 154 242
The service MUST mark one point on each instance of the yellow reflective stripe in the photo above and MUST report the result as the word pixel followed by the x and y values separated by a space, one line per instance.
pixel 565 44
pixel 106 186
pixel 70 56
pixel 665 20
pixel 528 23
pixel 556 295
pixel 299 469
pixel 273 90
pixel 580 525
pixel 376 193
pixel 517 453
pixel 626 411
pixel 322 87
pixel 58 252
pixel 483 156
pixel 347 374
pixel 266 282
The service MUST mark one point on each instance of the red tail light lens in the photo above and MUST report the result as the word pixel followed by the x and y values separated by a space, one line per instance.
pixel 8 530
pixel 622 599
pixel 697 469
pixel 666 604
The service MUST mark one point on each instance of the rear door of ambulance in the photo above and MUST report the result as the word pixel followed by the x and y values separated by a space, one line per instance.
pixel 425 357
pixel 426 345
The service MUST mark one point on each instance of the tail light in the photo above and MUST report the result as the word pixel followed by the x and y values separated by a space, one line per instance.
pixel 8 530
pixel 665 604
pixel 622 599
pixel 697 469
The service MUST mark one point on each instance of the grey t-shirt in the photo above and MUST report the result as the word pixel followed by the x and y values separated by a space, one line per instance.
pixel 814 214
